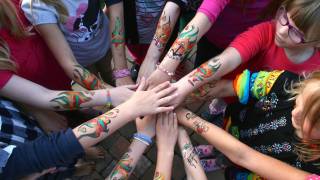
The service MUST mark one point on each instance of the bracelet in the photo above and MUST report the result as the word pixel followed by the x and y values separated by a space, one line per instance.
pixel 143 138
pixel 109 101
pixel 170 74
pixel 121 73
pixel 241 86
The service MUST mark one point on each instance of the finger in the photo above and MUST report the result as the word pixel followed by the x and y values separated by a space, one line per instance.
pixel 166 119
pixel 164 109
pixel 175 120
pixel 167 100
pixel 166 91
pixel 142 86
pixel 170 118
pixel 161 86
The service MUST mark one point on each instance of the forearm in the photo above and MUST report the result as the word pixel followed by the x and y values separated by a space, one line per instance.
pixel 96 129
pixel 186 40
pixel 190 158
pixel 210 71
pixel 128 161
pixel 216 89
pixel 163 32
pixel 238 152
pixel 117 35
pixel 164 164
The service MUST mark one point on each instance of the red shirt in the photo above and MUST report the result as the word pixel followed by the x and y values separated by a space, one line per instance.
pixel 34 59
pixel 257 45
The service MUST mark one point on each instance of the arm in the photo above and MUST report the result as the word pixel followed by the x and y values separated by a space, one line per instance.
pixel 129 160
pixel 214 89
pixel 190 158
pixel 117 30
pixel 238 152
pixel 25 91
pixel 167 134
pixel 162 35
pixel 64 55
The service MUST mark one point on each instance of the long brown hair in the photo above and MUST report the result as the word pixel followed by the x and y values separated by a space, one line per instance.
pixel 5 62
pixel 9 19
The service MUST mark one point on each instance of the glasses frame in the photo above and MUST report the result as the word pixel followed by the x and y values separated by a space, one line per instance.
pixel 282 13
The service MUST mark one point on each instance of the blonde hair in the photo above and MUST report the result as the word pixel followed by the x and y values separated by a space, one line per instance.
pixel 309 149
pixel 9 19
pixel 306 16
pixel 59 6
pixel 5 62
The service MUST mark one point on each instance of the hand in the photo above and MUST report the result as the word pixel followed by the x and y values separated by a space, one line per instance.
pixel 146 69
pixel 147 125
pixel 167 131
pixel 153 101
pixel 179 98
pixel 122 93
pixel 124 81
pixel 157 77
pixel 50 121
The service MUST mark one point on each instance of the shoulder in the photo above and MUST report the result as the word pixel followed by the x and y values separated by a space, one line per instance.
pixel 38 12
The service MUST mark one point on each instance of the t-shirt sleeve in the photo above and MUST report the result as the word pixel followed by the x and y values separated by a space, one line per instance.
pixel 212 8
pixel 254 40
pixel 5 77
pixel 112 2
pixel 39 13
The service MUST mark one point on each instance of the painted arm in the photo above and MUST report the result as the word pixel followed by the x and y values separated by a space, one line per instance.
pixel 117 34
pixel 162 35
pixel 215 89
pixel 238 152
pixel 167 134
pixel 142 103
pixel 190 158
pixel 58 45
pixel 182 46
pixel 129 160
pixel 25 91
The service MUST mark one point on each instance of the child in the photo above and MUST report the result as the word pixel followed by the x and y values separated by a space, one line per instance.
pixel 75 31
pixel 64 147
pixel 265 124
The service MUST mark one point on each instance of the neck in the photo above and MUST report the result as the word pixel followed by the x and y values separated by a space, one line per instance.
pixel 299 54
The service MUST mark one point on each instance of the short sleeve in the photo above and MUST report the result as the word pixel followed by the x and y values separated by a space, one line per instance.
pixel 5 77
pixel 254 40
pixel 212 8
pixel 39 13
pixel 112 2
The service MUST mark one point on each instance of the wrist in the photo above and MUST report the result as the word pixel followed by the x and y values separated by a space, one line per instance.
pixel 144 138
pixel 165 152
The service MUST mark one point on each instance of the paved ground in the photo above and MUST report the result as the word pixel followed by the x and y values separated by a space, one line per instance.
pixel 117 144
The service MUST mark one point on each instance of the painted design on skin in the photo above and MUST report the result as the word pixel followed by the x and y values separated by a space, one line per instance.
pixel 190 116
pixel 117 35
pixel 200 127
pixel 87 79
pixel 158 176
pixel 206 70
pixel 189 154
pixel 202 91
pixel 163 32
pixel 184 43
pixel 71 100
pixel 123 168
pixel 100 124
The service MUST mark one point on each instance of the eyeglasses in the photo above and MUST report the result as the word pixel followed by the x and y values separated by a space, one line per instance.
pixel 294 34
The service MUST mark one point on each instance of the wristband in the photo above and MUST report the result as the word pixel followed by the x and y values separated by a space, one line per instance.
pixel 170 74
pixel 143 138
pixel 121 73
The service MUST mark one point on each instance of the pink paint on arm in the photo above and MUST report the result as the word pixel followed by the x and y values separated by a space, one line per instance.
pixel 212 8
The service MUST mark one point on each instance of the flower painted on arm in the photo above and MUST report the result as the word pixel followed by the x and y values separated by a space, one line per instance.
pixel 163 32
pixel 117 36
pixel 71 100
pixel 87 79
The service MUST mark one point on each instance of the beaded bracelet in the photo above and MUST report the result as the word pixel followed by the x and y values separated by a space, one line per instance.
pixel 121 73
pixel 109 101
pixel 170 74
pixel 143 138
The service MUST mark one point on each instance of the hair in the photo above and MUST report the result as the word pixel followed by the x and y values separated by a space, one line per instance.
pixel 305 14
pixel 10 20
pixel 5 62
pixel 59 6
pixel 309 149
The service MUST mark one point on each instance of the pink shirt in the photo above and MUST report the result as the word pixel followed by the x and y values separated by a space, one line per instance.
pixel 230 18
pixel 257 45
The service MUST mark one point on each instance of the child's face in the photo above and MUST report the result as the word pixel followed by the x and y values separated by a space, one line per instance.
pixel 287 34
pixel 303 126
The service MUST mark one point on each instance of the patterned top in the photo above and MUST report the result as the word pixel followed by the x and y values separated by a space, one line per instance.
pixel 265 124
pixel 15 129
